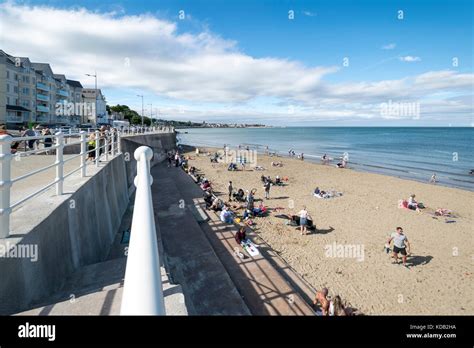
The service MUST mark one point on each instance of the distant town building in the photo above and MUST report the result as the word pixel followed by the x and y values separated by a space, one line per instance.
pixel 91 95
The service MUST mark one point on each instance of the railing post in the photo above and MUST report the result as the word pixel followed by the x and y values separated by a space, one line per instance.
pixel 119 142
pixel 97 145
pixel 112 140
pixel 106 145
pixel 59 163
pixel 83 153
pixel 5 184
pixel 143 290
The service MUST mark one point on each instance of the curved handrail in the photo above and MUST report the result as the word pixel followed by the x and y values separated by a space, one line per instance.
pixel 143 291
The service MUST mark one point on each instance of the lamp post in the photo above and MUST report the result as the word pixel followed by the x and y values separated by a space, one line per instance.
pixel 139 95
pixel 95 93
pixel 151 114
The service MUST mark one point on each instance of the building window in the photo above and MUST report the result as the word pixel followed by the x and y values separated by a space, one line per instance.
pixel 16 77
pixel 8 87
pixel 8 100
pixel 8 74
pixel 26 91
pixel 15 89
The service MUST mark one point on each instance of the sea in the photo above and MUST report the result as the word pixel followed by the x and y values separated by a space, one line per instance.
pixel 407 152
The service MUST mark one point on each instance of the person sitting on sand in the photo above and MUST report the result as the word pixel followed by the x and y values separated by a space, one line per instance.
pixel 399 247
pixel 217 204
pixel 413 204
pixel 240 236
pixel 321 297
pixel 278 180
pixel 336 308
pixel 277 164
pixel 208 199
pixel 239 195
pixel 206 185
pixel 226 215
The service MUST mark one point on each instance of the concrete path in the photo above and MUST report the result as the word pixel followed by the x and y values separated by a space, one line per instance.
pixel 190 258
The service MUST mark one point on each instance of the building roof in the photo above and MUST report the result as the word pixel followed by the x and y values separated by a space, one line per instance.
pixel 74 83
pixel 44 67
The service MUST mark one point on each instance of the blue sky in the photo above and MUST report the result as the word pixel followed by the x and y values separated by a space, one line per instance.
pixel 389 59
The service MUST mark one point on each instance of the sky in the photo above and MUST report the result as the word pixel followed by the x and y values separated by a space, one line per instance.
pixel 278 62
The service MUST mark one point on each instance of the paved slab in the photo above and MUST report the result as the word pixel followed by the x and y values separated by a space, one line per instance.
pixel 190 258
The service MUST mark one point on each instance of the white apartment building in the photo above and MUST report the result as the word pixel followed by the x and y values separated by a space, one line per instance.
pixel 30 93
pixel 91 95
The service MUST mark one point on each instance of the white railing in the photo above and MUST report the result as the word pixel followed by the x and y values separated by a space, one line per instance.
pixel 143 291
pixel 109 144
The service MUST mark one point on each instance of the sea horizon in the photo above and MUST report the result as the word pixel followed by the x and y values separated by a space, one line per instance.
pixel 414 155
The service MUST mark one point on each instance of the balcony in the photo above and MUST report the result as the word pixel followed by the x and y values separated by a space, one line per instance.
pixel 14 119
pixel 42 86
pixel 62 93
pixel 42 97
pixel 42 118
pixel 42 108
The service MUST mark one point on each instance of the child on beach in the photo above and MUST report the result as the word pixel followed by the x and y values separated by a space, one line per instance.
pixel 267 186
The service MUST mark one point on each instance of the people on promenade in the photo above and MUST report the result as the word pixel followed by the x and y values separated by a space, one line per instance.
pixel 14 145
pixel 48 142
pixel 401 245
pixel 27 132
pixel 91 144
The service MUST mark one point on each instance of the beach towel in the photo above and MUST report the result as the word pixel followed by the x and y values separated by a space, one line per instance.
pixel 403 203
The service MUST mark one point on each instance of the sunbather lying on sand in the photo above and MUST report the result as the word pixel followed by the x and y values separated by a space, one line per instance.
pixel 326 194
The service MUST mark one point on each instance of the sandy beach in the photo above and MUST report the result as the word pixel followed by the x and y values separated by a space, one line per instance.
pixel 440 277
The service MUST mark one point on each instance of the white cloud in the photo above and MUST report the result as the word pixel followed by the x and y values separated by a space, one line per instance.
pixel 309 14
pixel 202 69
pixel 410 59
pixel 390 46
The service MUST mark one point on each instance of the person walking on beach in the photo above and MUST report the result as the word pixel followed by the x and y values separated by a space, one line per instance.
pixel 303 214
pixel 230 189
pixel 400 243
pixel 267 186
pixel 433 179
pixel 302 156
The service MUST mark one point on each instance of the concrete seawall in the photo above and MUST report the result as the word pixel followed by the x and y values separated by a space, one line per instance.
pixel 77 230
